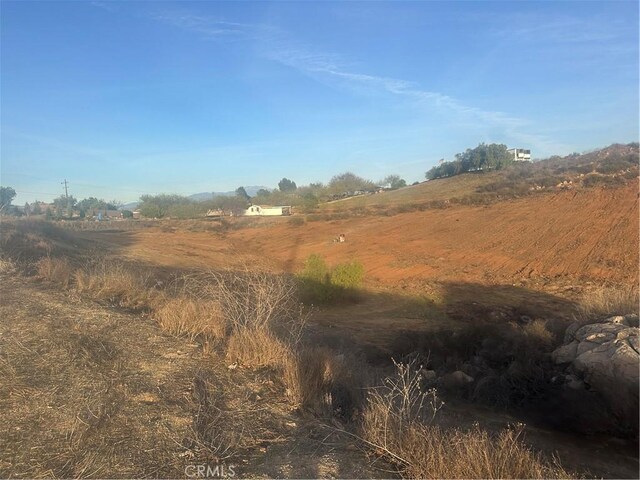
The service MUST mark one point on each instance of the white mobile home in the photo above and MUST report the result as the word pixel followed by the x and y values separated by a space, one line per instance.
pixel 257 210
pixel 520 154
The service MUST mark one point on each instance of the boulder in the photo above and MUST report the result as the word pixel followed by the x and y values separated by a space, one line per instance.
pixel 605 358
pixel 565 353
pixel 632 320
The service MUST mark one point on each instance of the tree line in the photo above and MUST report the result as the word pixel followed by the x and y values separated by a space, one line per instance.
pixel 484 157
pixel 306 198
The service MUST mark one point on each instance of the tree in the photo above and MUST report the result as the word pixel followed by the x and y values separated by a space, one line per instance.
pixel 64 204
pixel 394 182
pixel 241 192
pixel 7 194
pixel 262 193
pixel 348 182
pixel 36 209
pixel 483 157
pixel 235 205
pixel 158 206
pixel 93 203
pixel 286 185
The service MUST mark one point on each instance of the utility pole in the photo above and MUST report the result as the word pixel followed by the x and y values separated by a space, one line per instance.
pixel 66 194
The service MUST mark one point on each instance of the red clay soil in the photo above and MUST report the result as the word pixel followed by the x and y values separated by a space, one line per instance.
pixel 589 234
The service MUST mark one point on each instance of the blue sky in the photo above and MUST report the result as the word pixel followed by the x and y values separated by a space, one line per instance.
pixel 125 98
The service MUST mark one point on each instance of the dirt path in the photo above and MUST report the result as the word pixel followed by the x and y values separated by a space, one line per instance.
pixel 91 391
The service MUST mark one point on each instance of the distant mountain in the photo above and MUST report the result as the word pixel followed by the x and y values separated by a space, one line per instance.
pixel 203 196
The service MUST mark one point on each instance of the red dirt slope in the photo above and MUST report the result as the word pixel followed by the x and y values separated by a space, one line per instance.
pixel 589 234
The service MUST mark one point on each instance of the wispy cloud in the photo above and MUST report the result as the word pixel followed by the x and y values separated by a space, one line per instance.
pixel 514 128
pixel 557 30
pixel 275 44
pixel 204 25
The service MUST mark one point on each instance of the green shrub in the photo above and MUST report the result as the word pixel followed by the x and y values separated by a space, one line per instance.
pixel 315 269
pixel 347 275
pixel 319 284
pixel 296 221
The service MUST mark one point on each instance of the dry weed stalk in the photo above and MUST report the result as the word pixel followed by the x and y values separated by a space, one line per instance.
pixel 186 316
pixel 250 299
pixel 116 282
pixel 398 424
pixel 57 270
pixel 607 301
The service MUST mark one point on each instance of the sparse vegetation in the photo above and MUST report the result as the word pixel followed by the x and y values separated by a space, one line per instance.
pixel 57 270
pixel 320 284
pixel 248 323
pixel 399 424
pixel 115 282
pixel 607 301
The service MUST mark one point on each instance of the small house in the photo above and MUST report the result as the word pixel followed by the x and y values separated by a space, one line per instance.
pixel 264 211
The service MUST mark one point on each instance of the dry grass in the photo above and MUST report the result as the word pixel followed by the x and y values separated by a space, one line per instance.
pixel 326 383
pixel 257 348
pixel 249 299
pixel 7 265
pixel 191 317
pixel 117 283
pixel 608 301
pixel 398 423
pixel 538 332
pixel 57 270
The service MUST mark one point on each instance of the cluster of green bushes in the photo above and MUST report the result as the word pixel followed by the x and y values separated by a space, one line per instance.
pixel 483 157
pixel 320 284
pixel 178 206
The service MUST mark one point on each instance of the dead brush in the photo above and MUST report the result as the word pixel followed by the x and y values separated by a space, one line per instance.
pixel 258 348
pixel 539 333
pixel 7 265
pixel 320 381
pixel 607 301
pixel 192 317
pixel 57 270
pixel 250 299
pixel 117 283
pixel 399 424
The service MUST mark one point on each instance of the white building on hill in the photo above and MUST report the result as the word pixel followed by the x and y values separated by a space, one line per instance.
pixel 520 154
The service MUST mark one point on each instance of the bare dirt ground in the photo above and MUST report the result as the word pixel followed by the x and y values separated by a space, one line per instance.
pixel 585 234
pixel 532 256
pixel 91 391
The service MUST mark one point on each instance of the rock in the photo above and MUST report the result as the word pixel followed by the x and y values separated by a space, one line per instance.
pixel 631 320
pixel 619 319
pixel 605 357
pixel 566 353
pixel 570 332
pixel 598 332
pixel 573 382
pixel 456 379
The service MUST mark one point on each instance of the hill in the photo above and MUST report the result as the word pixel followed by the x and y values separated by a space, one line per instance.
pixel 612 166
